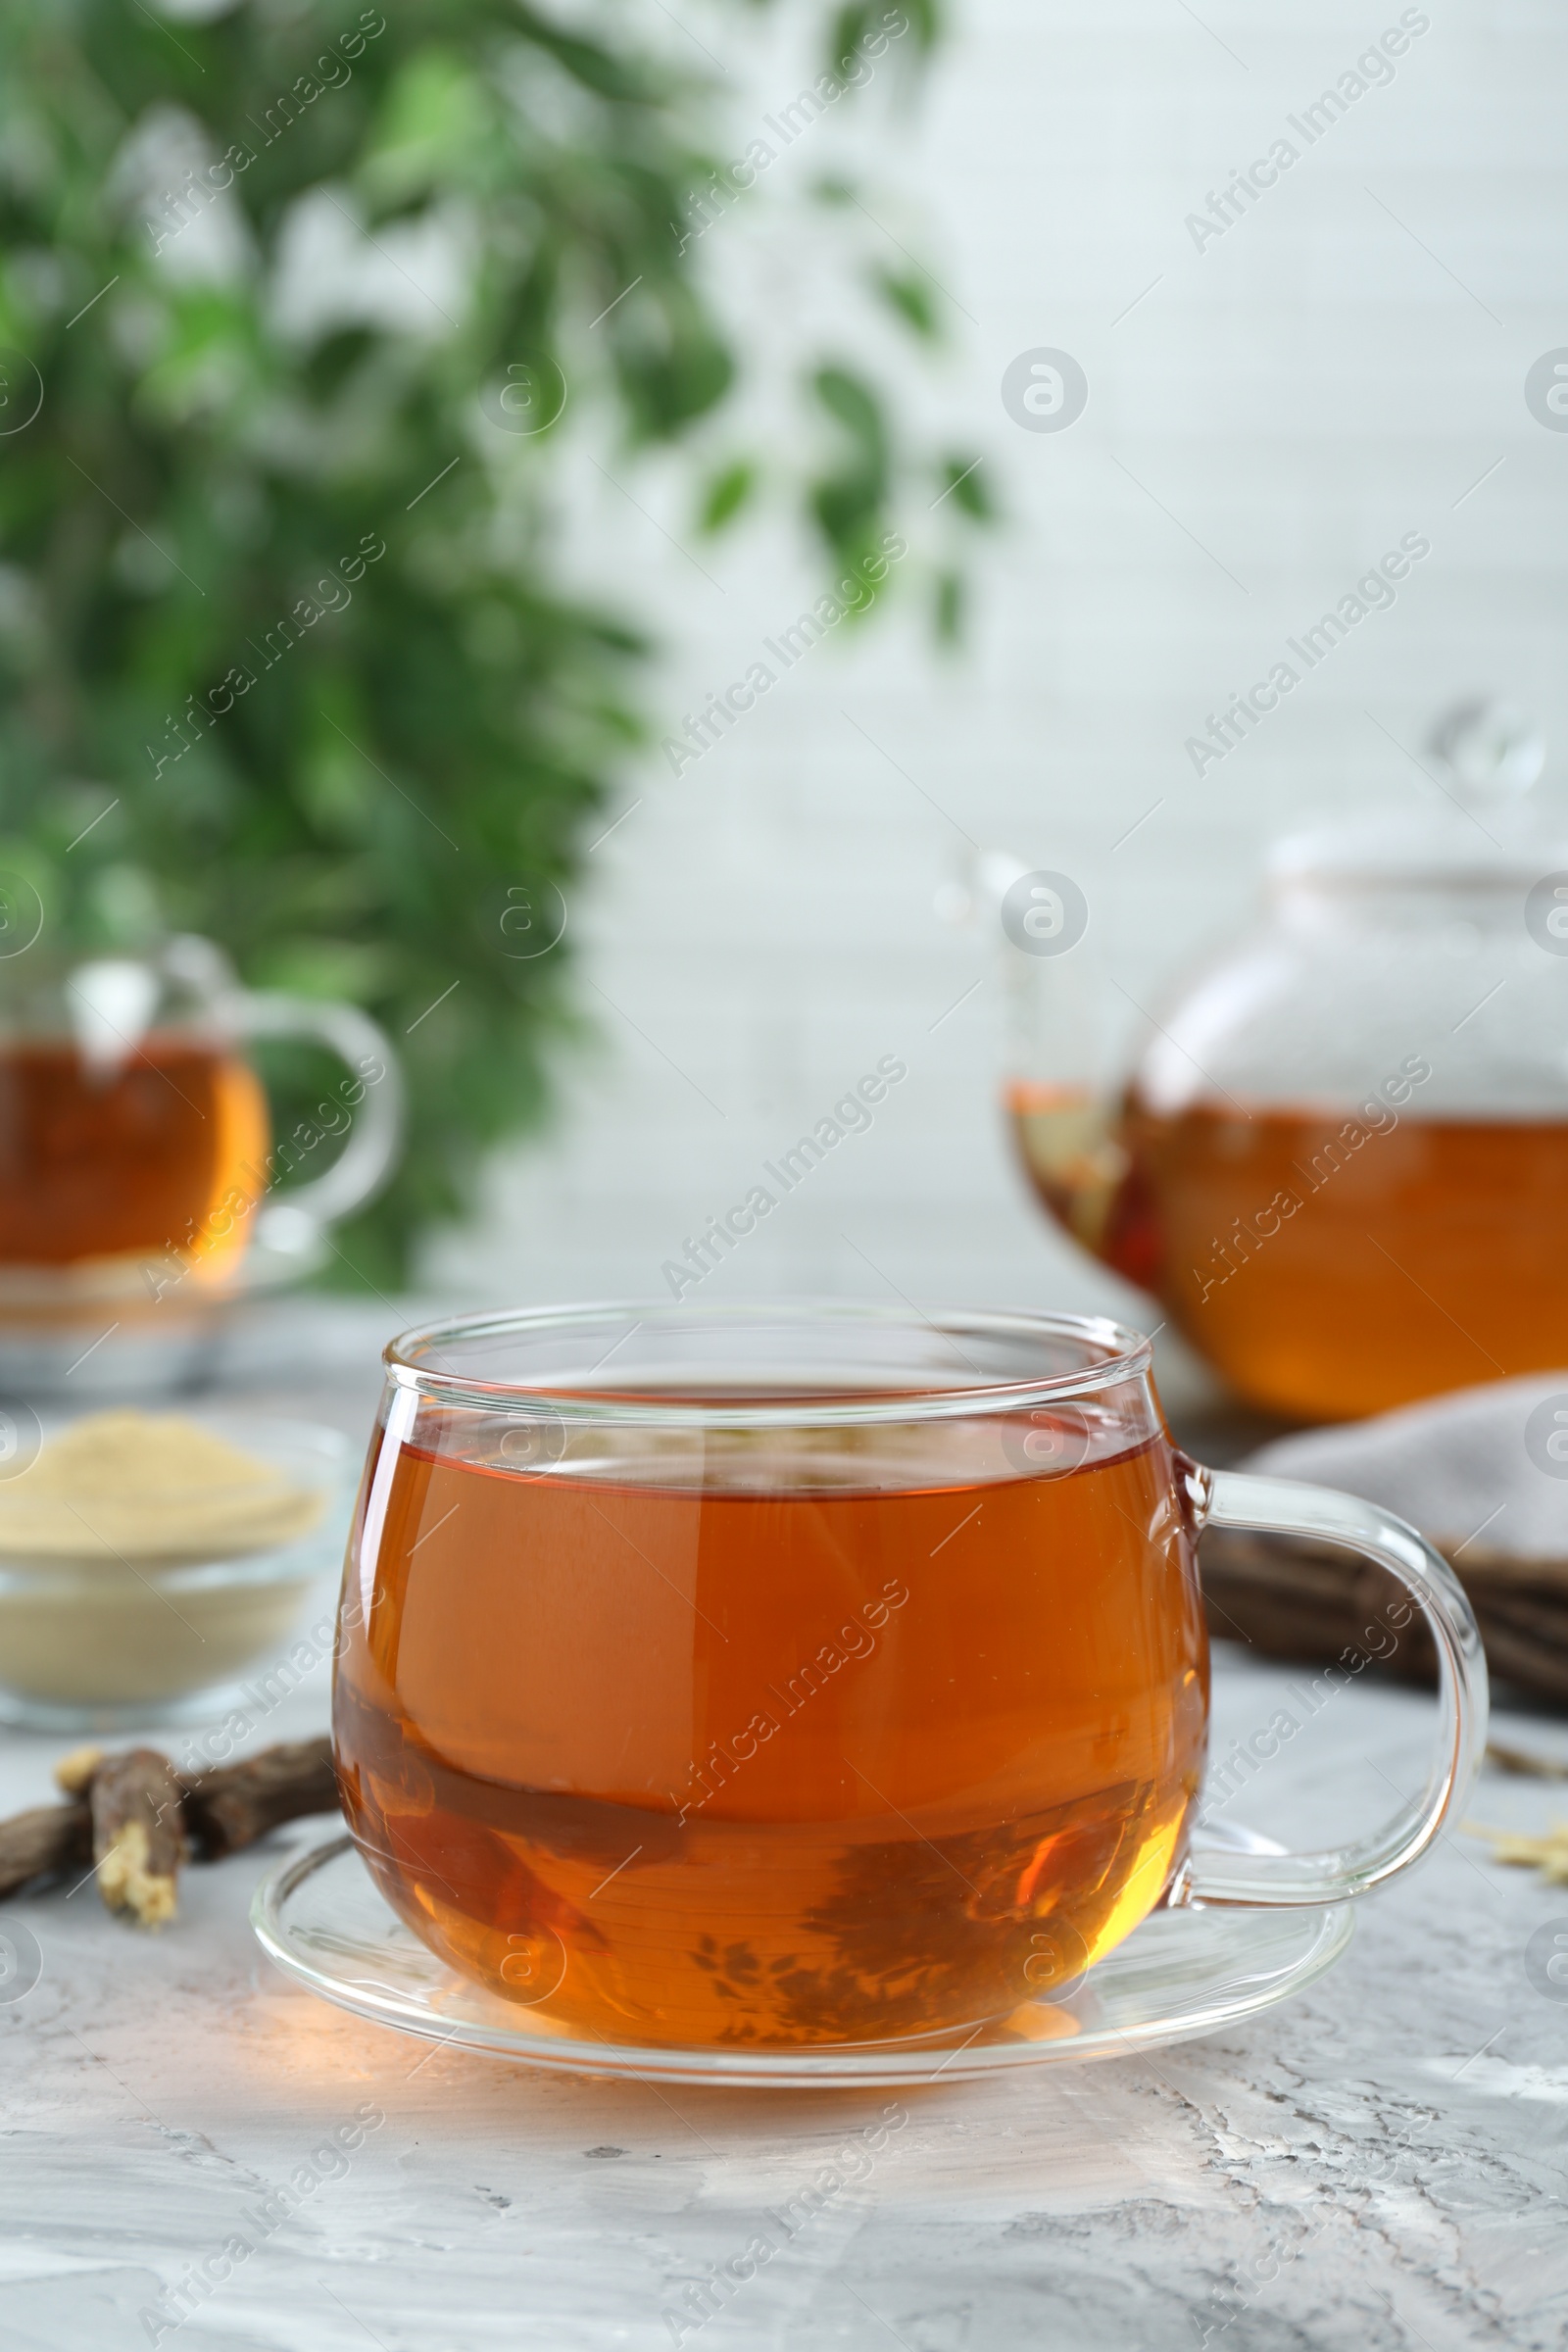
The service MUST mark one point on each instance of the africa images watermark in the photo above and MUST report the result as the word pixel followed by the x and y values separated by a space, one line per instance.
pixel 721 711
pixel 853 1640
pixel 851 1115
pixel 328 2162
pixel 1373 592
pixel 851 2164
pixel 288 631
pixel 731 182
pixel 1375 1117
pixel 320 1645
pixel 1373 69
pixel 1247 1758
pixel 286 1159
pixel 1547 389
pixel 182 205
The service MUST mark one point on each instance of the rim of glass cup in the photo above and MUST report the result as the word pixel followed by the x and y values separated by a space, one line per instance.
pixel 1125 1354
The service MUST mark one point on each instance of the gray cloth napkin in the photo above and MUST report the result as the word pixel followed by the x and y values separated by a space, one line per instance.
pixel 1481 1471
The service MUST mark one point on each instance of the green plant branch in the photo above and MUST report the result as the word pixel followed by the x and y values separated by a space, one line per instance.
pixel 339 761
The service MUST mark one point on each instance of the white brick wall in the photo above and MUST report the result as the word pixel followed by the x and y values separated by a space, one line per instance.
pixel 1297 395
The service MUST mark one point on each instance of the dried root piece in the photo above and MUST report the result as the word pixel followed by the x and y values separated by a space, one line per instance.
pixel 234 1804
pixel 138 1838
pixel 1549 1854
pixel 1524 1760
pixel 42 1844
pixel 73 1773
pixel 135 1818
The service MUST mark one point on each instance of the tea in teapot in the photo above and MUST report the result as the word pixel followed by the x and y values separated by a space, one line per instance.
pixel 1341 1160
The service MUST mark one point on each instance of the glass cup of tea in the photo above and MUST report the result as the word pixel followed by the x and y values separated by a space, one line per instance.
pixel 139 1175
pixel 811 1674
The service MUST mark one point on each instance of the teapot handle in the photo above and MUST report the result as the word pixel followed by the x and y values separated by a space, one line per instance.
pixel 376 1128
pixel 1283 1506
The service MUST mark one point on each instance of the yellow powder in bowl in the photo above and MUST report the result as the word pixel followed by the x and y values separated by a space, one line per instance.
pixel 148 1487
pixel 135 1566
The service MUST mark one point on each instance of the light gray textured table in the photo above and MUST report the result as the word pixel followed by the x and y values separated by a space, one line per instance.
pixel 1380 2162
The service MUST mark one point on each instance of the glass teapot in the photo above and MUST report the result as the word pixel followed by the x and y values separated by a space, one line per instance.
pixel 1341 1160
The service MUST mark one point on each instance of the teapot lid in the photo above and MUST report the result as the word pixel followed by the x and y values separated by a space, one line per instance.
pixel 1485 753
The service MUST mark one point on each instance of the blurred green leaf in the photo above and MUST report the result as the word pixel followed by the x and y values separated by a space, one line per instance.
pixel 726 494
pixel 850 399
pixel 910 297
pixel 438 116
pixel 962 482
pixel 873 29
pixel 848 501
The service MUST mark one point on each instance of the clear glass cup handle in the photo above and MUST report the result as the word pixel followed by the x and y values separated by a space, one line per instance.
pixel 1282 1507
pixel 376 1126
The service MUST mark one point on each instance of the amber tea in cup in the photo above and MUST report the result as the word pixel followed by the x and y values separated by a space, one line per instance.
pixel 136 1144
pixel 790 1676
pixel 140 1155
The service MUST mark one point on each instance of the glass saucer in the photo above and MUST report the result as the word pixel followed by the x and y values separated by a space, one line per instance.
pixel 1181 1974
pixel 127 1328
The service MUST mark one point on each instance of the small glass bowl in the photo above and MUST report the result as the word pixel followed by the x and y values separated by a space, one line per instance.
pixel 95 1644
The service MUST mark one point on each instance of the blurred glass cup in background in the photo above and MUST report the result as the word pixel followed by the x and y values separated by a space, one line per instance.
pixel 140 1186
